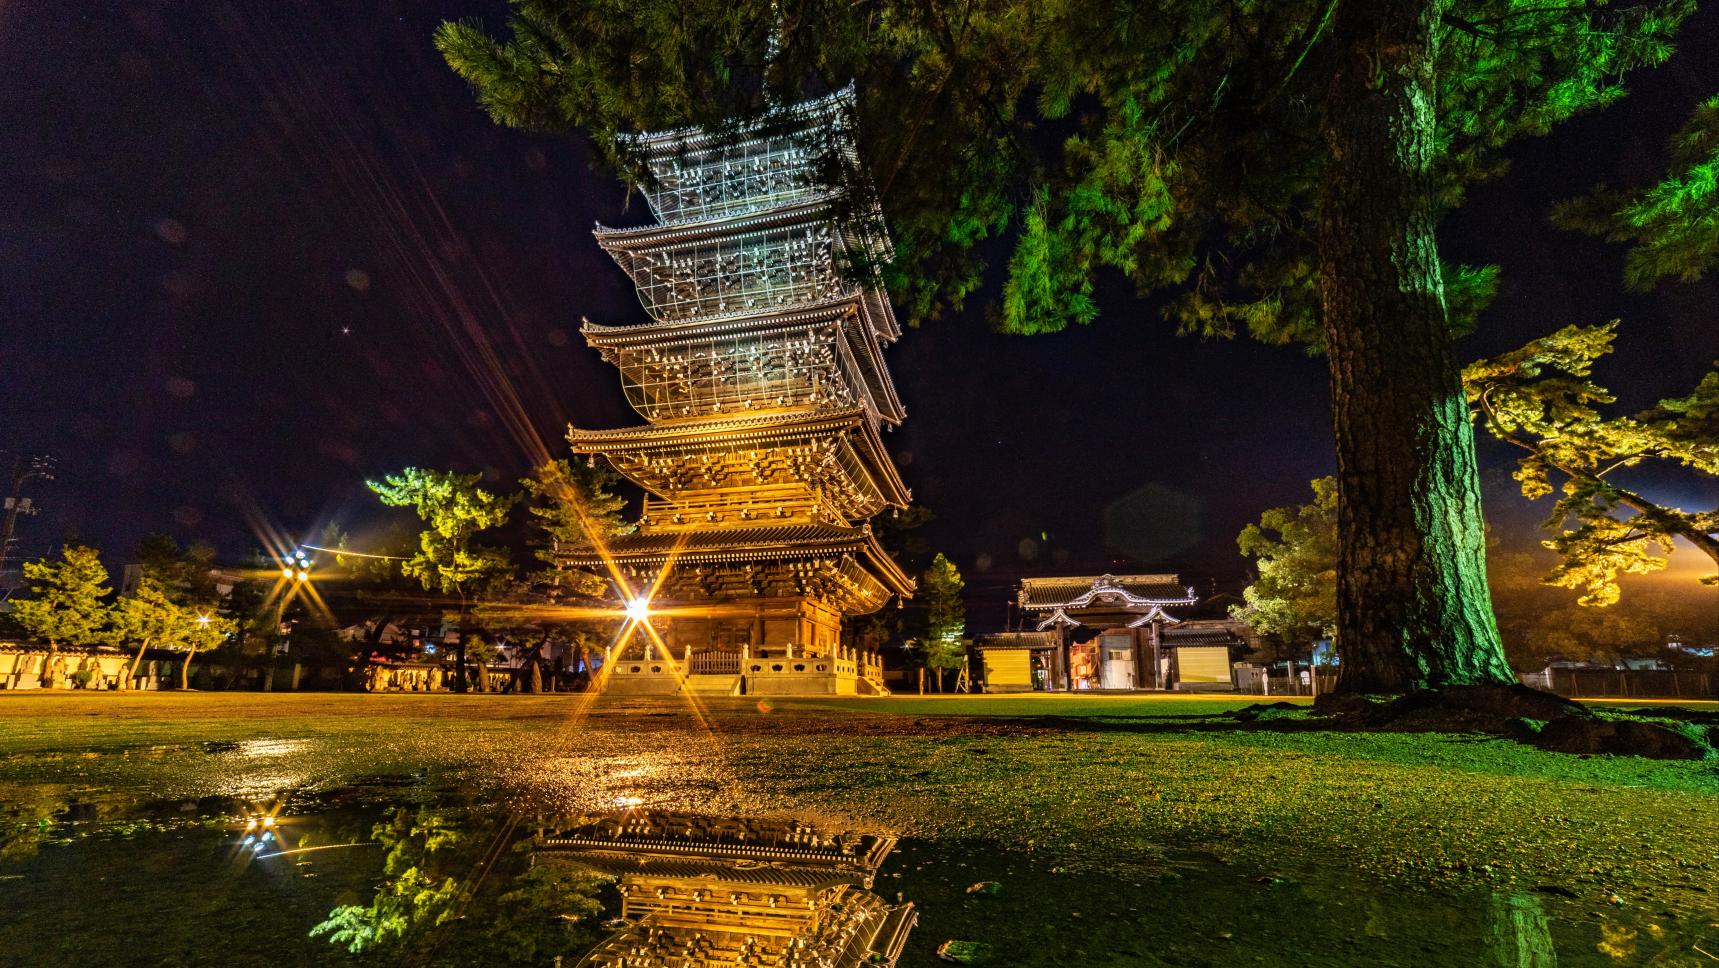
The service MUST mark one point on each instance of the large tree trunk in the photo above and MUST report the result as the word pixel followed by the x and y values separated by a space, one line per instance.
pixel 1413 609
pixel 185 670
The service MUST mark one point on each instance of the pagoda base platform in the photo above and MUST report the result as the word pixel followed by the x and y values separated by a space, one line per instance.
pixel 772 677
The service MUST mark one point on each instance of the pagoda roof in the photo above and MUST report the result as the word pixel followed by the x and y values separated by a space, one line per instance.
pixel 673 141
pixel 721 434
pixel 653 237
pixel 628 245
pixel 860 334
pixel 763 543
pixel 1124 592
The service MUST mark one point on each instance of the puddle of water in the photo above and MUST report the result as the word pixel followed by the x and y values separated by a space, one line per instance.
pixel 402 873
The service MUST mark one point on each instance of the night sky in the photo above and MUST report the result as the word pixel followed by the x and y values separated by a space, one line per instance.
pixel 252 254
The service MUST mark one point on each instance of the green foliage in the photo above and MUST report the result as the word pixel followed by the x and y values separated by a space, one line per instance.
pixel 1541 400
pixel 545 912
pixel 1673 226
pixel 898 531
pixel 415 893
pixel 1170 143
pixel 148 614
pixel 68 598
pixel 1295 553
pixel 454 509
pixel 416 915
pixel 942 646
pixel 185 574
pixel 574 505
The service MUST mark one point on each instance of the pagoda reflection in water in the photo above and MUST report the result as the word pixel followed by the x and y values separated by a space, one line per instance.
pixel 704 892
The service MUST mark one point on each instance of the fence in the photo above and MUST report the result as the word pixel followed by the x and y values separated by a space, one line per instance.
pixel 1624 683
pixel 714 663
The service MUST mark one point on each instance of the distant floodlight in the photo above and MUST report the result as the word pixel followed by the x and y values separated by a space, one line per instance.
pixel 638 610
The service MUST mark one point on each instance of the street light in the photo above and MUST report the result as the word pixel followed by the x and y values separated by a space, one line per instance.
pixel 296 567
pixel 638 609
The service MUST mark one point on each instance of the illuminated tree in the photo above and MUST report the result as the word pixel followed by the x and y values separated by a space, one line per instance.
pixel 574 505
pixel 454 510
pixel 1280 167
pixel 943 647
pixel 1295 554
pixel 184 579
pixel 1672 226
pixel 1540 400
pixel 146 616
pixel 202 632
pixel 67 604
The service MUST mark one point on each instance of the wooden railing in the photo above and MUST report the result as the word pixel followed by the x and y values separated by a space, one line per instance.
pixel 714 663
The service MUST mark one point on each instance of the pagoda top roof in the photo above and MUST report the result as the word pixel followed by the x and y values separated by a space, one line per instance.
pixel 1126 592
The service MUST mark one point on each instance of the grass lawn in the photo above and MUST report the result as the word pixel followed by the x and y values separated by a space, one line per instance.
pixel 1107 786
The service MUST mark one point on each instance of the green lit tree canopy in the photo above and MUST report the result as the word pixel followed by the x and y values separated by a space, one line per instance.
pixel 67 604
pixel 942 647
pixel 149 616
pixel 1275 168
pixel 1672 226
pixel 454 509
pixel 1174 142
pixel 1541 400
pixel 1294 549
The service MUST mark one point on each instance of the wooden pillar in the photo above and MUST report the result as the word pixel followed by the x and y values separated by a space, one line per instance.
pixel 1066 675
pixel 1154 635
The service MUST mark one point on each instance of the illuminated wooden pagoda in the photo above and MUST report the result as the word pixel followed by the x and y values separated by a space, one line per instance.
pixel 761 378
pixel 704 892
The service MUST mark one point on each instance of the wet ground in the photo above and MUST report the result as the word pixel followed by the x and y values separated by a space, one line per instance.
pixel 225 830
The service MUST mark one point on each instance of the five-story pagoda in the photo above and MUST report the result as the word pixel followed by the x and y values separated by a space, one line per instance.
pixel 762 381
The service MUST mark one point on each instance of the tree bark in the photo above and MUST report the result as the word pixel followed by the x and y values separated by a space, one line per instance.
pixel 185 670
pixel 136 661
pixel 45 679
pixel 1413 608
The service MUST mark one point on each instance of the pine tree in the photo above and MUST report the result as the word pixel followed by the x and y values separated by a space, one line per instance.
pixel 1672 226
pixel 67 604
pixel 148 616
pixel 1540 400
pixel 1275 168
pixel 943 646
pixel 1295 552
pixel 454 509
pixel 574 505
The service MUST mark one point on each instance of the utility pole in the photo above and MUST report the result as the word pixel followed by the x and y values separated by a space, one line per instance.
pixel 23 469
